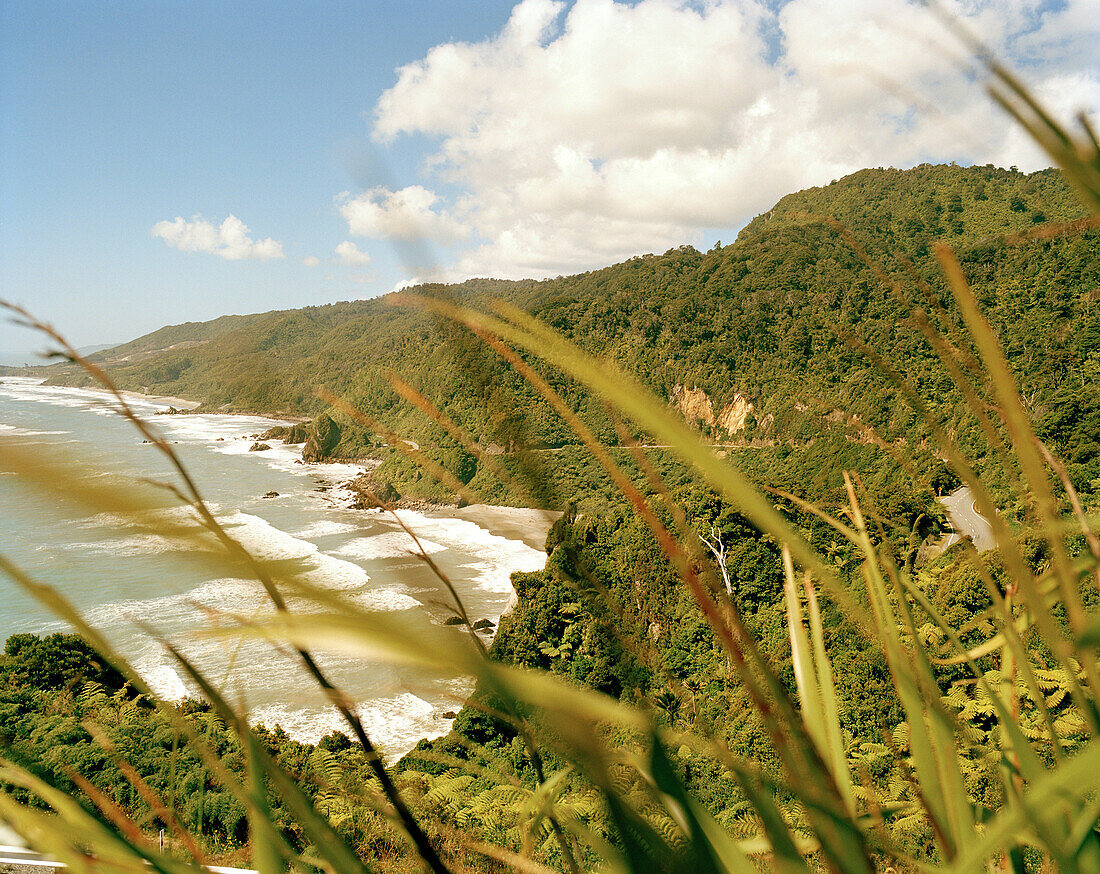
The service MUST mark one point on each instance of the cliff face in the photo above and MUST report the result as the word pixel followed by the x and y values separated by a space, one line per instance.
pixel 759 313
pixel 695 406
pixel 324 434
pixel 734 416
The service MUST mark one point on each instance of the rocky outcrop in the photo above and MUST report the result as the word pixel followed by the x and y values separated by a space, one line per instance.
pixel 735 415
pixel 324 434
pixel 695 406
pixel 297 433
pixel 258 447
pixel 320 437
pixel 371 494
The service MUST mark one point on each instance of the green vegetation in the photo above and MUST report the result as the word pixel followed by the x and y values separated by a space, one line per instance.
pixel 704 678
pixel 772 317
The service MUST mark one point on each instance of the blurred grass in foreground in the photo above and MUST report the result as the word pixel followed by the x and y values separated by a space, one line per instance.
pixel 1038 734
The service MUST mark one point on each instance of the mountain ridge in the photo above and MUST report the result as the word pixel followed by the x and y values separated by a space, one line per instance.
pixel 775 318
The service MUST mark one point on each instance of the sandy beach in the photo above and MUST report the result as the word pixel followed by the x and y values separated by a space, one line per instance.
pixel 167 400
pixel 515 523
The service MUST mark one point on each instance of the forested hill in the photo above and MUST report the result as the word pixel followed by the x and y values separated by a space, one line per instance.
pixel 908 207
pixel 754 339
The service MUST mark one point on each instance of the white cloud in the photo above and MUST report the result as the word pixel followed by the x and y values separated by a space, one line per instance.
pixel 402 284
pixel 584 133
pixel 311 261
pixel 406 214
pixel 230 240
pixel 349 254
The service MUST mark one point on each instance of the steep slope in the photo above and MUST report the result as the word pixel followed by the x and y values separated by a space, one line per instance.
pixel 762 331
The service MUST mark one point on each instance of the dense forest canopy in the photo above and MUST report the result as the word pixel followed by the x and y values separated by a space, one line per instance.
pixel 802 350
pixel 774 319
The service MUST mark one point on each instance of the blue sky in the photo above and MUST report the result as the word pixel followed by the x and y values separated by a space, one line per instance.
pixel 118 115
pixel 390 142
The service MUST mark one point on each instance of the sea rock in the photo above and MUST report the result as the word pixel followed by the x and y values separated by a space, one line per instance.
pixel 297 433
pixel 270 495
pixel 324 434
pixel 369 494
pixel 258 447
pixel 452 620
pixel 484 625
pixel 450 714
pixel 387 493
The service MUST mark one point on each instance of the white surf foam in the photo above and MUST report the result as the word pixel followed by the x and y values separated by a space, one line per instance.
pixel 385 600
pixel 162 678
pixel 137 544
pixel 184 610
pixel 392 544
pixel 265 541
pixel 12 431
pixel 395 723
pixel 231 433
pixel 496 558
pixel 325 528
pixel 95 400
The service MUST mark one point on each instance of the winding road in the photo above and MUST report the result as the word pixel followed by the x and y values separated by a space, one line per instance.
pixel 966 519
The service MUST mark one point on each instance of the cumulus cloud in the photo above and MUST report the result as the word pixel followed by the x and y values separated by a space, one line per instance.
pixel 407 214
pixel 228 240
pixel 349 254
pixel 311 261
pixel 584 133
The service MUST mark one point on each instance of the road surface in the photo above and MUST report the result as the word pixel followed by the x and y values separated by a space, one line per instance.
pixel 966 519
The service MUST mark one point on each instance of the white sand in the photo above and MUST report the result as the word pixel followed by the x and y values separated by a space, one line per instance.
pixel 514 523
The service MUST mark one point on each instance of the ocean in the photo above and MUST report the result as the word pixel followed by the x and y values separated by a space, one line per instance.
pixel 125 580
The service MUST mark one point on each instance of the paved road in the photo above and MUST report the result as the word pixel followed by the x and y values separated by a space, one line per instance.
pixel 966 519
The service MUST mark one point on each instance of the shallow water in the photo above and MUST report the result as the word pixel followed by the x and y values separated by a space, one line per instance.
pixel 120 576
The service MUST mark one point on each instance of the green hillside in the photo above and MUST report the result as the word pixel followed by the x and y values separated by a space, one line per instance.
pixel 767 327
pixel 777 347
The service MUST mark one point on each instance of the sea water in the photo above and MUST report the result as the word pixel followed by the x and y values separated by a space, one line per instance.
pixel 127 582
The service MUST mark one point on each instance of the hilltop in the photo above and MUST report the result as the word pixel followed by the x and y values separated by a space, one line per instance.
pixel 766 345
pixel 754 341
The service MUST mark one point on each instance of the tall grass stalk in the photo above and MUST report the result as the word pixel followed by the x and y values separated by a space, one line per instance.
pixel 821 810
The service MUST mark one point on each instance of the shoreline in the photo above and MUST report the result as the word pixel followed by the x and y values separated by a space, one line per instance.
pixel 501 541
pixel 528 525
pixel 182 404
pixel 512 523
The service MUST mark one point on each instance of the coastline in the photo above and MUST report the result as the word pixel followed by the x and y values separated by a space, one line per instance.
pixel 181 404
pixel 488 543
pixel 526 524
pixel 513 523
